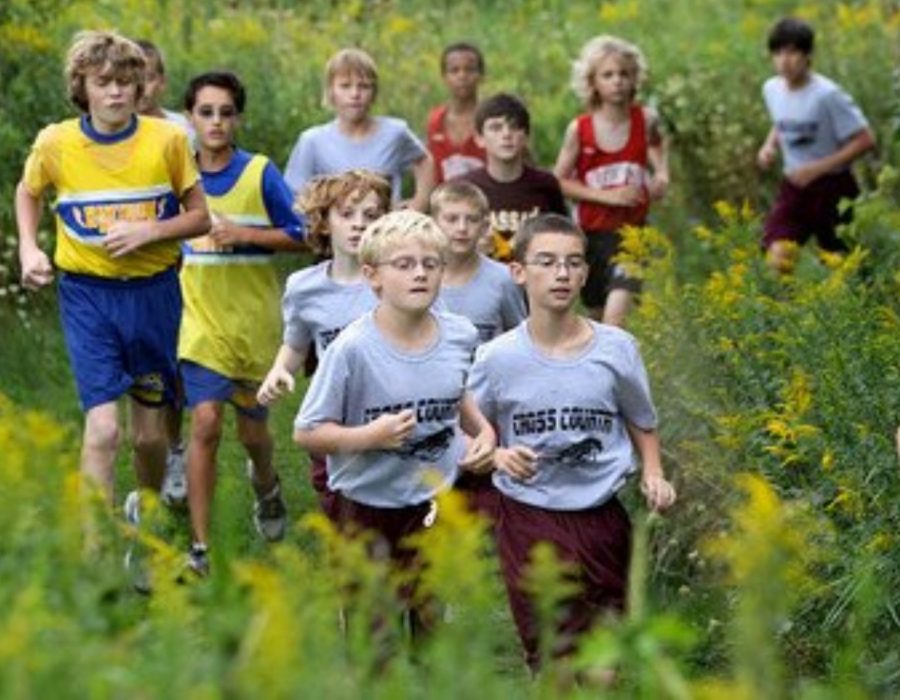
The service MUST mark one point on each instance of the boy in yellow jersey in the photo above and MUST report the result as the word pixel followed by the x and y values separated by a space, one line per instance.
pixel 231 327
pixel 127 190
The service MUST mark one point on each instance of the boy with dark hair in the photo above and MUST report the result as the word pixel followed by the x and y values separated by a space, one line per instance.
pixel 515 190
pixel 231 324
pixel 451 126
pixel 820 131
pixel 570 400
pixel 127 190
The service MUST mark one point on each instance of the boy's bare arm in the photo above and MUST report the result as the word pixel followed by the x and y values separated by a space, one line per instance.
pixel 573 188
pixel 479 456
pixel 35 264
pixel 124 237
pixel 280 377
pixel 388 431
pixel 657 155
pixel 660 494
pixel 225 232
pixel 855 146
pixel 768 152
pixel 423 173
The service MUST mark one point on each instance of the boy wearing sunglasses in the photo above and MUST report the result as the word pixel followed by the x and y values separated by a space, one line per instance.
pixel 231 327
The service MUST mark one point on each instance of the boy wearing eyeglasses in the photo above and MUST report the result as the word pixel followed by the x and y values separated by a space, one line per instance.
pixel 388 404
pixel 571 403
pixel 231 326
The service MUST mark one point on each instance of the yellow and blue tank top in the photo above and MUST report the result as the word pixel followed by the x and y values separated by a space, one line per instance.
pixel 231 321
pixel 138 174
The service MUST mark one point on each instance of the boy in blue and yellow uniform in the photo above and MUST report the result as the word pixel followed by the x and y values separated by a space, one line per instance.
pixel 127 190
pixel 231 328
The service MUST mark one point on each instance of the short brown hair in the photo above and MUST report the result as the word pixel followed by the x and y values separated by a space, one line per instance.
pixel 458 191
pixel 327 191
pixel 544 223
pixel 93 50
pixel 349 61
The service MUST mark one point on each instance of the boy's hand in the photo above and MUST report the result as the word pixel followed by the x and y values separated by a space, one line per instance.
pixel 125 237
pixel 224 231
pixel 519 461
pixel 390 430
pixel 37 271
pixel 479 456
pixel 658 186
pixel 766 157
pixel 803 175
pixel 660 494
pixel 627 196
pixel 277 382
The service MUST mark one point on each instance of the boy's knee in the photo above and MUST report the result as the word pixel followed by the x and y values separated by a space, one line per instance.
pixel 206 424
pixel 254 435
pixel 101 432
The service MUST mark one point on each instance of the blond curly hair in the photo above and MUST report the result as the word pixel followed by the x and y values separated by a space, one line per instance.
pixel 592 53
pixel 102 51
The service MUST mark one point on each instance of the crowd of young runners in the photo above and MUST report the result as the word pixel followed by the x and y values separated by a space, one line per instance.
pixel 442 331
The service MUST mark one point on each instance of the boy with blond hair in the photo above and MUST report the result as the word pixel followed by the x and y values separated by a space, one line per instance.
pixel 820 131
pixel 355 139
pixel 571 403
pixel 476 287
pixel 388 404
pixel 612 163
pixel 127 190
pixel 515 190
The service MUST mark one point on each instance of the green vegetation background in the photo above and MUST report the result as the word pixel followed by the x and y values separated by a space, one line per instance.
pixel 782 582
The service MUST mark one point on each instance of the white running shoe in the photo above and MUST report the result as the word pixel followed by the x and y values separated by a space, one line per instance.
pixel 269 511
pixel 134 563
pixel 174 487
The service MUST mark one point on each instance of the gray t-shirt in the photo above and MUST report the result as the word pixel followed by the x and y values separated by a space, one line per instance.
pixel 315 308
pixel 361 376
pixel 323 150
pixel 572 412
pixel 491 300
pixel 813 121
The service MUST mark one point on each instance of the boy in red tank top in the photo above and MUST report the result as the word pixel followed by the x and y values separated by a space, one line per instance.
pixel 451 126
pixel 612 162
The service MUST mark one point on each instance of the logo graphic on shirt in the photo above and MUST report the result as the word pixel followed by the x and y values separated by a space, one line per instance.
pixel 798 134
pixel 607 177
pixel 429 448
pixel 588 450
pixel 89 216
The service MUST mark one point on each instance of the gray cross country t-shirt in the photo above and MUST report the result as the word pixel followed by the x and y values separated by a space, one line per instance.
pixel 813 121
pixel 323 150
pixel 315 308
pixel 572 412
pixel 362 376
pixel 491 299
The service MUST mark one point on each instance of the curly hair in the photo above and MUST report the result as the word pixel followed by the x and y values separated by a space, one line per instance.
pixel 101 51
pixel 592 53
pixel 326 191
